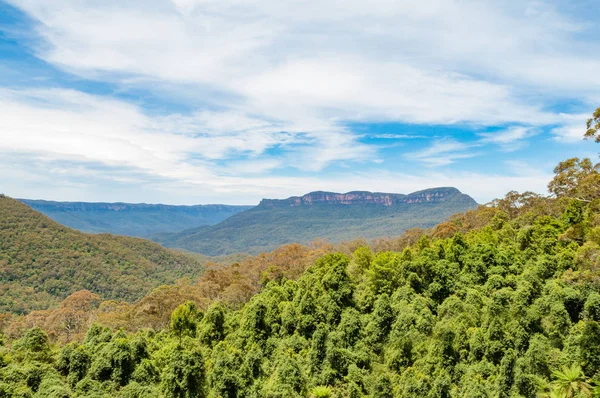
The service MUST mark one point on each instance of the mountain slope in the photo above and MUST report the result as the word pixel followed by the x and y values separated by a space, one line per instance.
pixel 42 262
pixel 321 215
pixel 132 219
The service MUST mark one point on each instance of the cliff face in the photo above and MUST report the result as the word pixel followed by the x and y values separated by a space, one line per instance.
pixel 433 195
pixel 386 199
pixel 334 216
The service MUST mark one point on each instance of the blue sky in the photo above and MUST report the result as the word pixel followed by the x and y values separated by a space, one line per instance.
pixel 231 101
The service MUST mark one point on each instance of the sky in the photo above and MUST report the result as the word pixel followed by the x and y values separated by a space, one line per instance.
pixel 231 101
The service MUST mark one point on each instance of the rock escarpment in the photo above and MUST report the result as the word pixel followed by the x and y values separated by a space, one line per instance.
pixel 432 195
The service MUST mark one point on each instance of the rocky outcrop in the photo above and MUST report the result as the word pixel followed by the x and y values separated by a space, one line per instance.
pixel 432 195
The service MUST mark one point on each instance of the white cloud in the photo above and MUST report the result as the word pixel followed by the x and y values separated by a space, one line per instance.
pixel 69 125
pixel 251 166
pixel 510 139
pixel 420 62
pixel 571 129
pixel 507 136
pixel 356 89
pixel 394 136
pixel 443 152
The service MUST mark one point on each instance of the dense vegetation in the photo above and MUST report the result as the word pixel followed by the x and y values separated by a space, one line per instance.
pixel 132 219
pixel 502 301
pixel 268 226
pixel 42 262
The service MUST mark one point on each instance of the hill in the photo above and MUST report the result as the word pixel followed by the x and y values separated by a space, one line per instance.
pixel 328 215
pixel 42 262
pixel 132 219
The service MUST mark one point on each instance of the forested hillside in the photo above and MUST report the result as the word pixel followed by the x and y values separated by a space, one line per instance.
pixel 132 219
pixel 502 301
pixel 333 216
pixel 42 262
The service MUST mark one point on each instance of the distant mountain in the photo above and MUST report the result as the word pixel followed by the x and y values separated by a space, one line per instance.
pixel 330 215
pixel 132 219
pixel 42 262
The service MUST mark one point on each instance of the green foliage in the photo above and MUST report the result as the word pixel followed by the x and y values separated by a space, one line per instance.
pixel 115 361
pixel 577 179
pixel 74 362
pixel 212 326
pixel 570 382
pixel 589 343
pixel 34 345
pixel 43 262
pixel 593 125
pixel 135 390
pixel 592 307
pixel 183 377
pixel 320 392
pixel 287 379
pixel 183 320
pixel 52 387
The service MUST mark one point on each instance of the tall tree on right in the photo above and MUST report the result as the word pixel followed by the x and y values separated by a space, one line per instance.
pixel 593 125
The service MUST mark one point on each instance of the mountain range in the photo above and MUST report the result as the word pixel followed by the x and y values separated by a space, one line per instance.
pixel 329 215
pixel 215 230
pixel 132 219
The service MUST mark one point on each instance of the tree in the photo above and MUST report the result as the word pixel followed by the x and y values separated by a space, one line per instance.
pixel 382 388
pixel 592 307
pixel 184 375
pixel 593 125
pixel 155 309
pixel 115 361
pixel 34 344
pixel 320 392
pixel 576 178
pixel 73 315
pixel 570 382
pixel 287 379
pixel 212 326
pixel 74 362
pixel 183 320
pixel 589 343
pixel 579 178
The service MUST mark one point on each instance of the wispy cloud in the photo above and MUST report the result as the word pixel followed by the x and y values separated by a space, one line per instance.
pixel 444 152
pixel 65 124
pixel 394 136
pixel 571 128
pixel 510 139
